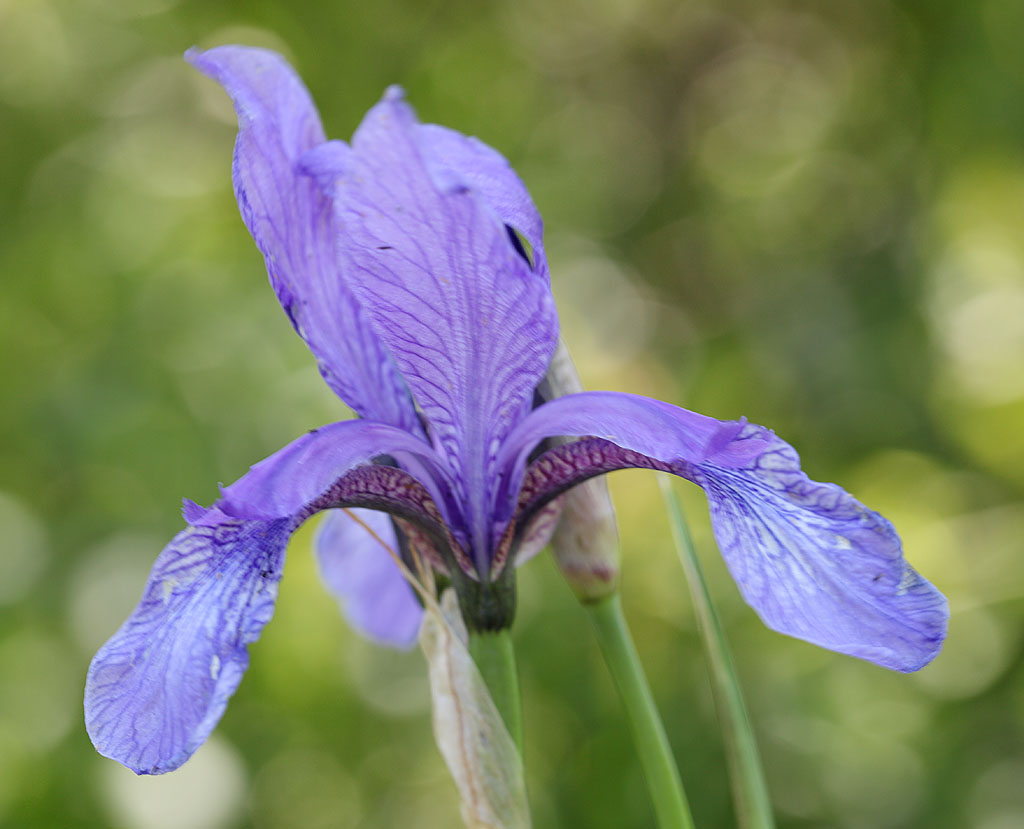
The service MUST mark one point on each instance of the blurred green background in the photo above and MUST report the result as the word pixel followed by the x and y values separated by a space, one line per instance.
pixel 809 214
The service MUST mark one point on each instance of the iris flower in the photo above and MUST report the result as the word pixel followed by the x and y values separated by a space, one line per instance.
pixel 411 261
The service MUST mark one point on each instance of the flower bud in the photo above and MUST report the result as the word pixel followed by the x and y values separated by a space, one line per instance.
pixel 586 541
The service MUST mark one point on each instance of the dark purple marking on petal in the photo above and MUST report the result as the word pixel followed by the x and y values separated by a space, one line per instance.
pixel 569 464
pixel 470 326
pixel 645 431
pixel 158 687
pixel 815 563
pixel 280 190
pixel 330 467
pixel 286 483
pixel 379 487
pixel 395 491
pixel 554 472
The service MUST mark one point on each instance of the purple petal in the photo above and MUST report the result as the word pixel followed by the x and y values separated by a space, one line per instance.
pixel 569 465
pixel 294 226
pixel 373 594
pixel 329 467
pixel 635 431
pixel 816 564
pixel 158 687
pixel 294 480
pixel 486 171
pixel 812 561
pixel 470 326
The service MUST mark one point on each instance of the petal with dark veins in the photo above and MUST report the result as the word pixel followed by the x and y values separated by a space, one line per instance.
pixel 810 559
pixel 297 480
pixel 635 431
pixel 157 688
pixel 817 564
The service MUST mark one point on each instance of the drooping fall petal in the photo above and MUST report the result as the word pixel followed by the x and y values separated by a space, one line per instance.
pixel 817 564
pixel 294 480
pixel 810 559
pixel 158 687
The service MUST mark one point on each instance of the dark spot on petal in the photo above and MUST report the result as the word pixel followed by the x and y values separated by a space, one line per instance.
pixel 384 247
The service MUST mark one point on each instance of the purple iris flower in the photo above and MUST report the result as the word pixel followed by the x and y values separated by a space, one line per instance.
pixel 399 259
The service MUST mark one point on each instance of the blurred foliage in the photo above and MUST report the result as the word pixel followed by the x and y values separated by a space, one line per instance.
pixel 809 214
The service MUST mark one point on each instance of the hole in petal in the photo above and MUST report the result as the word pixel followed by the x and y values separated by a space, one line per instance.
pixel 521 244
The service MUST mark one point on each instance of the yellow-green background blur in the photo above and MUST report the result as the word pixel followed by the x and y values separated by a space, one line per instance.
pixel 808 213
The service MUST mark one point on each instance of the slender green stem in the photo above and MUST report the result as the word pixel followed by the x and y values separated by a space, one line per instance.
pixel 750 794
pixel 659 766
pixel 494 656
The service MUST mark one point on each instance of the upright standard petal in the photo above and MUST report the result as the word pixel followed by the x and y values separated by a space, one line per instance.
pixel 158 687
pixel 470 326
pixel 293 223
pixel 816 564
pixel 358 571
pixel 487 172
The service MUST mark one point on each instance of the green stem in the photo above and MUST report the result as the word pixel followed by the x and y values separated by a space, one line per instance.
pixel 750 794
pixel 494 656
pixel 659 766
